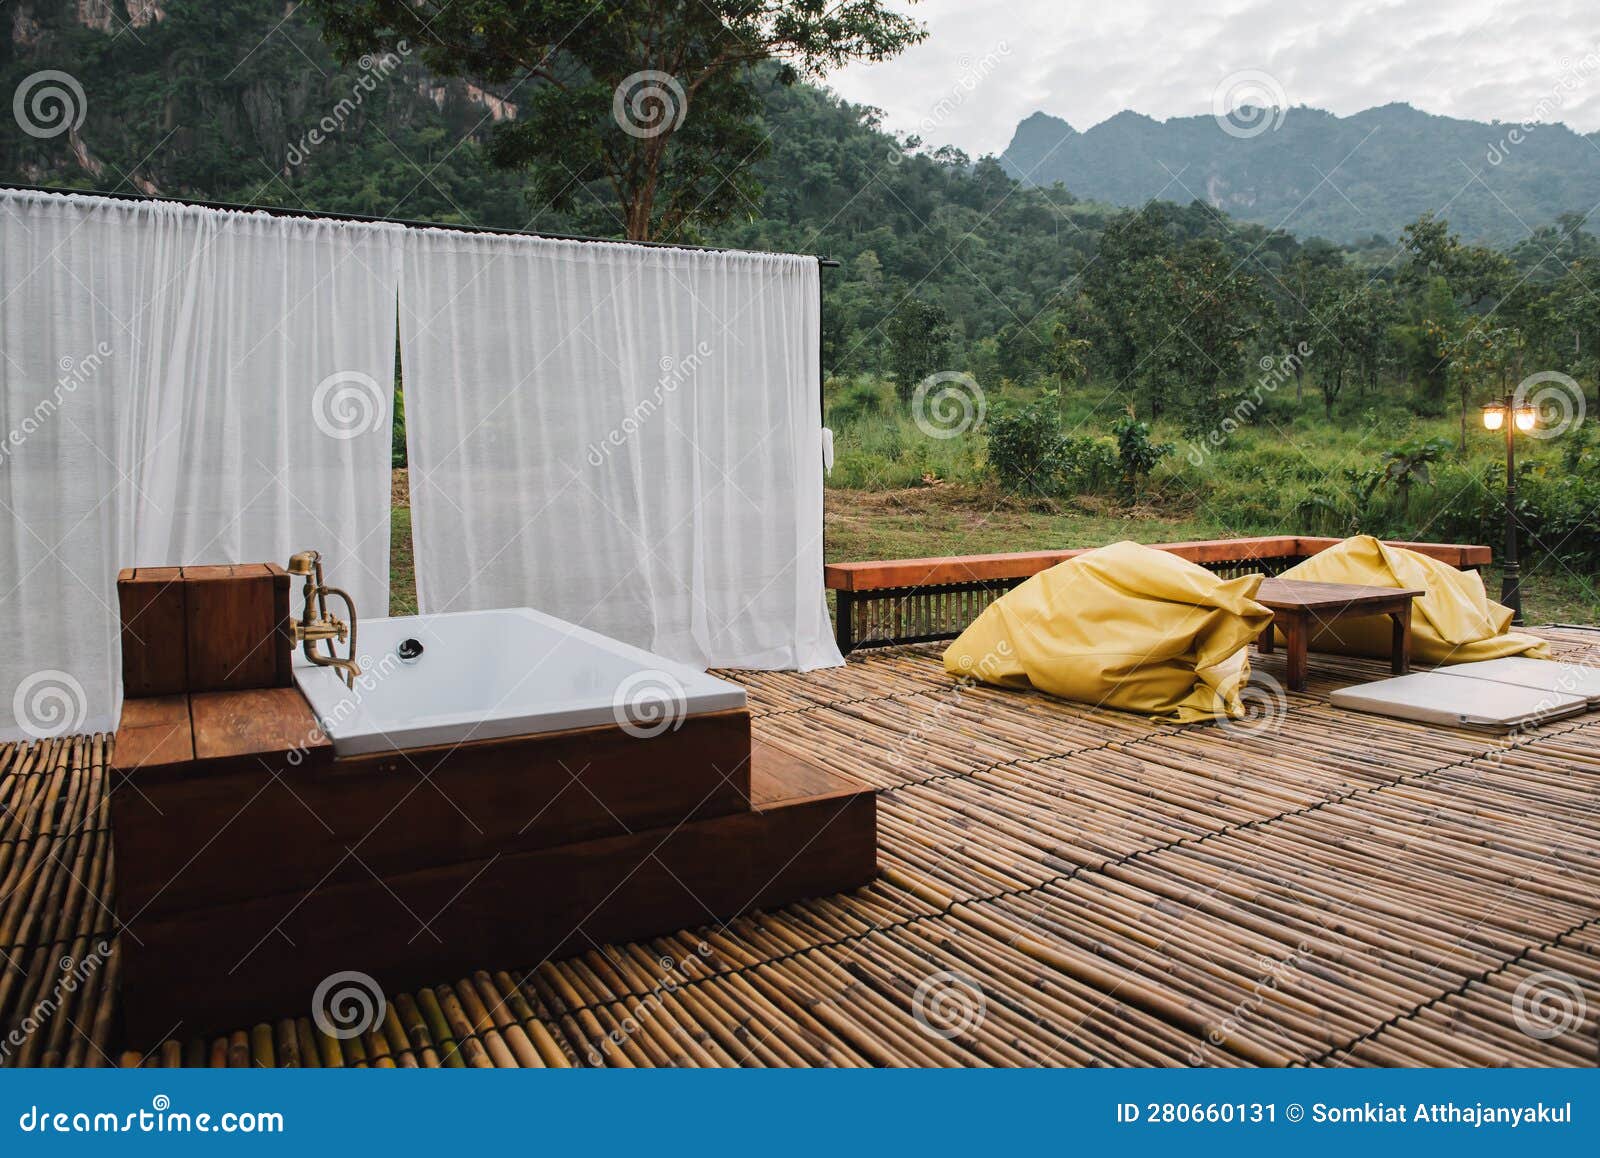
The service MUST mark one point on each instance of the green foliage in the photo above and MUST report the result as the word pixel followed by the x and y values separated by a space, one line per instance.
pixel 856 400
pixel 1407 466
pixel 1025 447
pixel 1088 466
pixel 919 335
pixel 1137 455
pixel 652 109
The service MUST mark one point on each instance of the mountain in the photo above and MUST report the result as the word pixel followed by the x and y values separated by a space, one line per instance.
pixel 1319 175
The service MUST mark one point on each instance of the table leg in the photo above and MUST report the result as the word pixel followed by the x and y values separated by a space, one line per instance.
pixel 1265 639
pixel 1400 652
pixel 1297 636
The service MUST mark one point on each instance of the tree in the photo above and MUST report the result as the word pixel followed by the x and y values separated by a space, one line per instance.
pixel 1371 315
pixel 1297 322
pixel 653 105
pixel 919 334
pixel 1334 298
pixel 1194 321
pixel 1480 354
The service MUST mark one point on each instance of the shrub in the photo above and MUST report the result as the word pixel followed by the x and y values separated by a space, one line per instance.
pixel 1137 455
pixel 1025 446
pixel 858 400
pixel 1088 465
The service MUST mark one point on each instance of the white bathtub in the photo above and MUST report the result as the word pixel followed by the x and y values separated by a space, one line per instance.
pixel 487 674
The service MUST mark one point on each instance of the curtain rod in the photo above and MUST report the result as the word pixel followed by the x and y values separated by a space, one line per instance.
pixel 364 219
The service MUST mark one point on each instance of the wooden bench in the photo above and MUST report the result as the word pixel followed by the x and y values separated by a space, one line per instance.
pixel 919 600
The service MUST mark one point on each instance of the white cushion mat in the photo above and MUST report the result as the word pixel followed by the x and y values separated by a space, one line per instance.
pixel 1575 679
pixel 1434 697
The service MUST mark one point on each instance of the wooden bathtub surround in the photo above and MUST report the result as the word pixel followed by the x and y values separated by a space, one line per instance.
pixel 252 861
pixel 420 927
pixel 289 811
pixel 204 628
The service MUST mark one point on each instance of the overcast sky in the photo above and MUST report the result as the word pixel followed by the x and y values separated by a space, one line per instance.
pixel 987 64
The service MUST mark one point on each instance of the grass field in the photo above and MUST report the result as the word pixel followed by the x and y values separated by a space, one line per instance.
pixel 960 520
pixel 899 491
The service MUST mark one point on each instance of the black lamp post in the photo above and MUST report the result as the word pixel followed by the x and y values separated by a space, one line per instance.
pixel 1511 415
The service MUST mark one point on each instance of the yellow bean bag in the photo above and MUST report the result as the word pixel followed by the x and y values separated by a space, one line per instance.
pixel 1125 626
pixel 1455 622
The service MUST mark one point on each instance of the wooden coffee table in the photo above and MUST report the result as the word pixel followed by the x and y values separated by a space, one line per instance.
pixel 1300 608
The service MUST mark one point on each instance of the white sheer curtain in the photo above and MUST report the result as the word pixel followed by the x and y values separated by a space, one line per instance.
pixel 268 424
pixel 623 436
pixel 177 385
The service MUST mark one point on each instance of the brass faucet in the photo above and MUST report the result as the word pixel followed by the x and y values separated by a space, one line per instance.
pixel 316 625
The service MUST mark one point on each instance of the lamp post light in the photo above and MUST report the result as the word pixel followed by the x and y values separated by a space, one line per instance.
pixel 1521 417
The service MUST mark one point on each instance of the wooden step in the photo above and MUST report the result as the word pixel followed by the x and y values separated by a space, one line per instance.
pixel 229 796
pixel 811 833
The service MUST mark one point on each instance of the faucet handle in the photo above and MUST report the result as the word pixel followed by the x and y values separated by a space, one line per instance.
pixel 302 562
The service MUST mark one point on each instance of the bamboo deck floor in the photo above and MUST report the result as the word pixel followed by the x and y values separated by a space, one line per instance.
pixel 1060 886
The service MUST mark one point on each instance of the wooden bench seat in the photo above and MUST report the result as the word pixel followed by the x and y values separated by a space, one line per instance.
pixel 884 602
